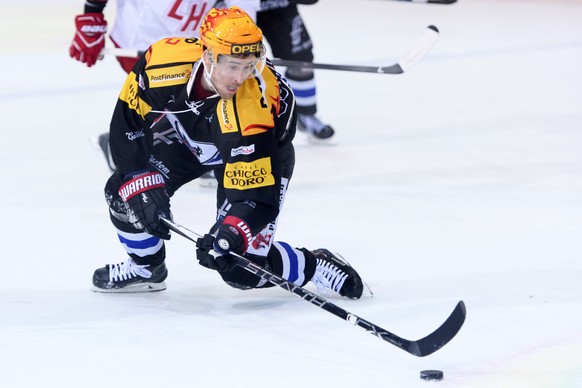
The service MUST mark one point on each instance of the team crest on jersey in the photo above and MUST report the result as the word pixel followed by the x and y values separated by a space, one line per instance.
pixel 194 105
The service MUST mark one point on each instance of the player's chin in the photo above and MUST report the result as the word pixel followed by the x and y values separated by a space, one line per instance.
pixel 227 94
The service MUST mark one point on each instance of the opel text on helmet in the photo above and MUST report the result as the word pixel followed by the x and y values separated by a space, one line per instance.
pixel 231 31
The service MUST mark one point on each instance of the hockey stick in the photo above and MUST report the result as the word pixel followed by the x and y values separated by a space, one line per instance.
pixel 443 2
pixel 419 50
pixel 422 347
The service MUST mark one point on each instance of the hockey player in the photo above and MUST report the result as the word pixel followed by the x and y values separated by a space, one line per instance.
pixel 288 38
pixel 189 106
pixel 139 23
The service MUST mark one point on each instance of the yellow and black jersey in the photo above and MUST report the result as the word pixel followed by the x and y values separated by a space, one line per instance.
pixel 246 140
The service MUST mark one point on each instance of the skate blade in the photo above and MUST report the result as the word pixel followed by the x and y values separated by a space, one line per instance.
pixel 208 183
pixel 367 291
pixel 131 289
pixel 98 147
pixel 330 141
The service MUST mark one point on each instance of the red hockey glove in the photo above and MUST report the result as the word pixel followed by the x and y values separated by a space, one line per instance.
pixel 146 198
pixel 89 39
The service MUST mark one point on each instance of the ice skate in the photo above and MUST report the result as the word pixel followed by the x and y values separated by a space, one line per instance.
pixel 334 273
pixel 103 141
pixel 318 131
pixel 127 276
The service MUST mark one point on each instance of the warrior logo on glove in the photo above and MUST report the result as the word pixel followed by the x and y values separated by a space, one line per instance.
pixel 140 184
pixel 147 200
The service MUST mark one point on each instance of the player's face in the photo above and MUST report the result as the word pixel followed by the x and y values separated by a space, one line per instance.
pixel 230 72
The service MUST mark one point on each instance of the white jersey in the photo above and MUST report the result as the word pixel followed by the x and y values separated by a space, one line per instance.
pixel 139 23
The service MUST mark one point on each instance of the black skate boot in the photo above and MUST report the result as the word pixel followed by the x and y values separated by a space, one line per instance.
pixel 127 276
pixel 314 127
pixel 336 274
pixel 208 180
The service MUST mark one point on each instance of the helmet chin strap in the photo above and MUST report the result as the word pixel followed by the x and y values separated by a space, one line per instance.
pixel 208 73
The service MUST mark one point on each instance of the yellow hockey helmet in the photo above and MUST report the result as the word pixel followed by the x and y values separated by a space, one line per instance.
pixel 231 31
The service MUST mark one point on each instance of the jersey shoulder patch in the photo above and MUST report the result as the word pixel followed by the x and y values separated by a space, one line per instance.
pixel 254 107
pixel 129 94
pixel 169 61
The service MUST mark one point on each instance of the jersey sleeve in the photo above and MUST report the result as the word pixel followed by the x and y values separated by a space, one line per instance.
pixel 95 5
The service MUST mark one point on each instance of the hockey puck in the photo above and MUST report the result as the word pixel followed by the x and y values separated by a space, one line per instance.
pixel 430 375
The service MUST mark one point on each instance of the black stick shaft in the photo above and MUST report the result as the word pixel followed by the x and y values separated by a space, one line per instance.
pixel 442 2
pixel 420 348
pixel 423 45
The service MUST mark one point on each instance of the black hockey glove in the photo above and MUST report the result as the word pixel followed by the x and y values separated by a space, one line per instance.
pixel 146 198
pixel 209 258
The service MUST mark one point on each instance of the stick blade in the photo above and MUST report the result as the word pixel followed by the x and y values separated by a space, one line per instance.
pixel 442 2
pixel 424 44
pixel 441 336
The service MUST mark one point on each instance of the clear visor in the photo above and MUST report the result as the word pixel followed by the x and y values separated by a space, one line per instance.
pixel 239 66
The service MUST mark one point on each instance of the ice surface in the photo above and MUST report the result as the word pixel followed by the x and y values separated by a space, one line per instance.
pixel 461 179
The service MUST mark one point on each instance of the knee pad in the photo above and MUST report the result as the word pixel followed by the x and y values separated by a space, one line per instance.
pixel 118 210
pixel 297 265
